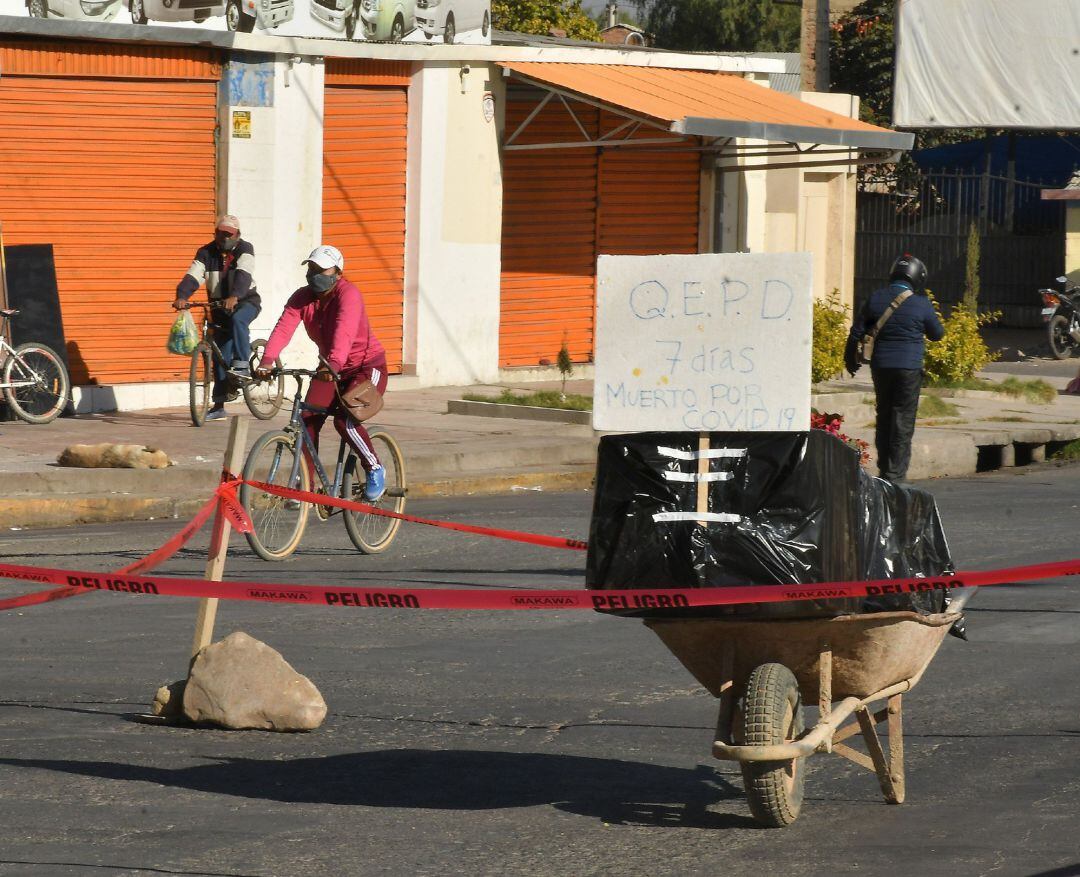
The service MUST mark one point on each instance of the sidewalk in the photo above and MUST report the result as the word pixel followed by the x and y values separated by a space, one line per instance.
pixel 455 454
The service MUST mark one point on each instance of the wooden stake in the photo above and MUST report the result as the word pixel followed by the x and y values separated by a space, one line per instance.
pixel 219 539
pixel 703 469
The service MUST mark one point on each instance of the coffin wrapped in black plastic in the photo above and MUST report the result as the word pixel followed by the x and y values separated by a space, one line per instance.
pixel 783 508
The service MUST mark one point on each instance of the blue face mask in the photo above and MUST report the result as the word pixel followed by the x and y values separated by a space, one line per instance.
pixel 321 282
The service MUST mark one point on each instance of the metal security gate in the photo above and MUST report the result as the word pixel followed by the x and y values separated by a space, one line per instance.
pixel 564 206
pixel 931 215
pixel 548 238
pixel 108 154
pixel 364 158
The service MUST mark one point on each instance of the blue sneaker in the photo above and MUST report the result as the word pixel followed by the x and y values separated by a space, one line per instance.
pixel 216 413
pixel 376 484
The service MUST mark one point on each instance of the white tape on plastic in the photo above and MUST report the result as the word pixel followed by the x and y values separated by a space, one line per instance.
pixel 714 517
pixel 710 454
pixel 698 476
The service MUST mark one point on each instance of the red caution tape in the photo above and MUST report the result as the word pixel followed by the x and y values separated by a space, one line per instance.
pixel 512 535
pixel 511 598
pixel 154 559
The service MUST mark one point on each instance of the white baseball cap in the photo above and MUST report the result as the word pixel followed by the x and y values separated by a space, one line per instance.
pixel 228 222
pixel 325 256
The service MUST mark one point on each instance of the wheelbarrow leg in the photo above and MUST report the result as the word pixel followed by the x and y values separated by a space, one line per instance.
pixel 724 721
pixel 825 686
pixel 896 746
pixel 893 791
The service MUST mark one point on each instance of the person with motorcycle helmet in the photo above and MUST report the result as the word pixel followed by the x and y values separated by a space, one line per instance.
pixel 227 266
pixel 897 361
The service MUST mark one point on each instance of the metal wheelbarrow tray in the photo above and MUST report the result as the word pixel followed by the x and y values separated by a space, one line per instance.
pixel 763 671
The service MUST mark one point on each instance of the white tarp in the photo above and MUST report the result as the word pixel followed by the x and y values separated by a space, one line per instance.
pixel 987 63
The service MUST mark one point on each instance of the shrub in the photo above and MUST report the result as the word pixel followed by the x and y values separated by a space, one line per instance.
pixel 831 423
pixel 566 367
pixel 962 352
pixel 830 336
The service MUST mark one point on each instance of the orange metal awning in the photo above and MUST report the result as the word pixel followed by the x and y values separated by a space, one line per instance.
pixel 707 104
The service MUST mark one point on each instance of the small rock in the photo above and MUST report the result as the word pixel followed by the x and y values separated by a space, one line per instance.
pixel 169 700
pixel 111 456
pixel 242 683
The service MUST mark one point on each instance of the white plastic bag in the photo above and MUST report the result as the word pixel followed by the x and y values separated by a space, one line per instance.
pixel 183 336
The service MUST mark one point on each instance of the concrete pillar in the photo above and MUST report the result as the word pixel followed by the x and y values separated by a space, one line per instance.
pixel 454 217
pixel 271 172
pixel 1072 240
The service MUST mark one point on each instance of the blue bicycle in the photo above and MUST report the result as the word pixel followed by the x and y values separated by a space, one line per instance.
pixel 287 458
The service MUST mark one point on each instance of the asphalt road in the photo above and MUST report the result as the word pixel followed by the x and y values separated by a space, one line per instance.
pixel 560 743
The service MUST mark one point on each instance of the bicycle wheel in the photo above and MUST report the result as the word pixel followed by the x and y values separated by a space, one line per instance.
pixel 36 383
pixel 374 533
pixel 264 398
pixel 277 523
pixel 200 379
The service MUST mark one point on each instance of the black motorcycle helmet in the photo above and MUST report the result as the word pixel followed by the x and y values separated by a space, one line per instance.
pixel 908 268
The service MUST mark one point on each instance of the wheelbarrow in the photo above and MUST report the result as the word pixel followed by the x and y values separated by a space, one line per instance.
pixel 764 671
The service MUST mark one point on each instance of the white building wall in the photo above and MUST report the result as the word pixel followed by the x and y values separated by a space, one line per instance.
pixel 273 183
pixel 454 224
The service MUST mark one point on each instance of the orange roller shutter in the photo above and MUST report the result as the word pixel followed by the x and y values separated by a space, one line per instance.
pixel 111 159
pixel 364 157
pixel 548 237
pixel 649 199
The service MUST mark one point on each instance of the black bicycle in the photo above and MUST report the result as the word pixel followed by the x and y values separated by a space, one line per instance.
pixel 263 397
pixel 287 458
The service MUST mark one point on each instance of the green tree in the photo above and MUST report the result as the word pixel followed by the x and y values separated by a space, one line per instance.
pixel 541 16
pixel 861 59
pixel 721 25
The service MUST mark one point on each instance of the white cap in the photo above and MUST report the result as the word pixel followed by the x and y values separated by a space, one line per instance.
pixel 228 222
pixel 326 256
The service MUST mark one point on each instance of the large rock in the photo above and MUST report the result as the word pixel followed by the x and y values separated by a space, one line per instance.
pixel 240 682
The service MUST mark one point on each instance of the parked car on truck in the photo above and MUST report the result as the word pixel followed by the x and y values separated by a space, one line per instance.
pixel 367 19
pixel 448 18
pixel 387 19
pixel 240 15
pixel 77 10
pixel 198 11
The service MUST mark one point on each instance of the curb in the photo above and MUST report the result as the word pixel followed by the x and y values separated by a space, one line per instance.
pixel 64 510
pixel 518 412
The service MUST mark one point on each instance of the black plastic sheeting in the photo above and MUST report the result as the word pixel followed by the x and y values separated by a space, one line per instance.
pixel 808 513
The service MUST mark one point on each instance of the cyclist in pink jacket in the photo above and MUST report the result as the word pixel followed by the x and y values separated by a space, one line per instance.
pixel 333 313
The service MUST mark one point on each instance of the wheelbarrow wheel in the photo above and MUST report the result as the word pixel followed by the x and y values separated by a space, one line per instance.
pixel 772 714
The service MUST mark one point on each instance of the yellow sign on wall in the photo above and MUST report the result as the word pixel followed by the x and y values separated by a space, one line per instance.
pixel 241 124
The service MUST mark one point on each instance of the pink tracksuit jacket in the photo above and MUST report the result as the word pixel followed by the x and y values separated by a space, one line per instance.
pixel 337 322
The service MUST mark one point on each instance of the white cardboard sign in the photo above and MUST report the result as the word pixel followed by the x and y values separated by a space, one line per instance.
pixel 713 342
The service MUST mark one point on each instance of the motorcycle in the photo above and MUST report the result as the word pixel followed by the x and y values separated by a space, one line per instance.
pixel 1061 314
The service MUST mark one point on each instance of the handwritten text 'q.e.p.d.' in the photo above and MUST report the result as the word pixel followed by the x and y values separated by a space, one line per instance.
pixel 767 300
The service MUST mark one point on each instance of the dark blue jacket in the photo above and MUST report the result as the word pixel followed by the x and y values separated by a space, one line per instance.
pixel 901 341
